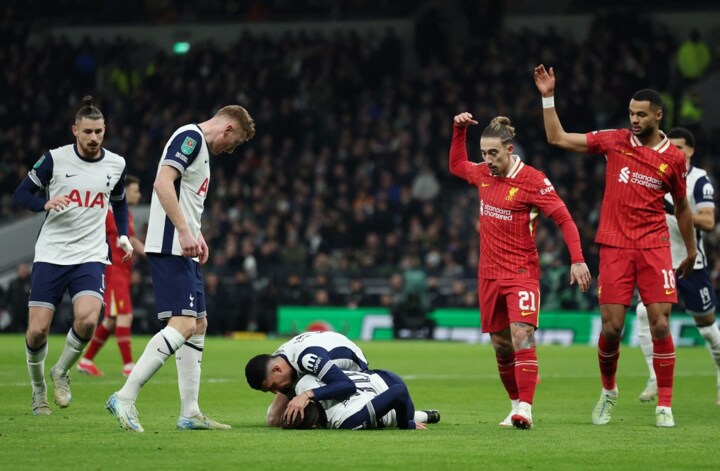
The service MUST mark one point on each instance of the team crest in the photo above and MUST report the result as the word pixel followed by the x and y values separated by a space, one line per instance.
pixel 661 169
pixel 188 146
pixel 511 194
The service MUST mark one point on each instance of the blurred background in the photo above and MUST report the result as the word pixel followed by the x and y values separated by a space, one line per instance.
pixel 343 203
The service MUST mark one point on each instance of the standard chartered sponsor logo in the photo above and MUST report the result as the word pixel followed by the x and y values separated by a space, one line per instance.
pixel 647 181
pixel 639 179
pixel 497 213
pixel 624 175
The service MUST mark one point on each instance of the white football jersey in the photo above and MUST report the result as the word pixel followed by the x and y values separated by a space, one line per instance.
pixel 700 194
pixel 315 352
pixel 77 233
pixel 186 151
pixel 369 386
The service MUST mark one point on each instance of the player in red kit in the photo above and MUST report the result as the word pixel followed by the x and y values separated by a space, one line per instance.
pixel 642 165
pixel 512 194
pixel 118 306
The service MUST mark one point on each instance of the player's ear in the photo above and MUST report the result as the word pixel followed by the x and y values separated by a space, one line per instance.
pixel 75 130
pixel 510 148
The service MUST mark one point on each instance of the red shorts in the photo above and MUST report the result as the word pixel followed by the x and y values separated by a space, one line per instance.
pixel 650 269
pixel 505 301
pixel 117 298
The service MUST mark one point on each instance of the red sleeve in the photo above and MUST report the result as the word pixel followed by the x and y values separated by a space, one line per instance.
pixel 543 194
pixel 562 218
pixel 599 141
pixel 460 166
pixel 679 181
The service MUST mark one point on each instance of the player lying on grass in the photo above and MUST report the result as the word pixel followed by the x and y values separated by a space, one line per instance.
pixel 382 400
pixel 324 355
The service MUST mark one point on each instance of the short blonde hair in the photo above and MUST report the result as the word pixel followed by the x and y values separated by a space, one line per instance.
pixel 240 115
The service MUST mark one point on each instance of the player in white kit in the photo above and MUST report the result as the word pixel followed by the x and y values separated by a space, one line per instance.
pixel 321 354
pixel 382 400
pixel 696 290
pixel 80 181
pixel 175 250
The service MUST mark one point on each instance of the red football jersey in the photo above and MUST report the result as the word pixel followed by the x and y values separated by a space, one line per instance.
pixel 636 180
pixel 118 268
pixel 509 207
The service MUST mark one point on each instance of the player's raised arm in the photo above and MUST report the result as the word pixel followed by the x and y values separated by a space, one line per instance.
pixel 556 135
pixel 460 166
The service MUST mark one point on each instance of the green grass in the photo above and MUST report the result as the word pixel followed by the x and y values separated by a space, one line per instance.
pixel 459 379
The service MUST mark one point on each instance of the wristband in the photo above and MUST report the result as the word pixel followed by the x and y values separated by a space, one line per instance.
pixel 548 102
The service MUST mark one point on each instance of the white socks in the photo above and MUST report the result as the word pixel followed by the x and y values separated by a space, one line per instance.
pixel 188 360
pixel 72 352
pixel 644 336
pixel 36 366
pixel 711 334
pixel 159 348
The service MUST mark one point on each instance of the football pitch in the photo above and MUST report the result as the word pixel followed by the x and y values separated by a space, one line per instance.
pixel 458 379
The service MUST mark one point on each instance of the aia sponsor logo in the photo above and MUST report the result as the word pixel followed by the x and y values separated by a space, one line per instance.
pixel 202 191
pixel 87 200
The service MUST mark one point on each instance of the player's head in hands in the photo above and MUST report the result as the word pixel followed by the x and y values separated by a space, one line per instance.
pixel 269 373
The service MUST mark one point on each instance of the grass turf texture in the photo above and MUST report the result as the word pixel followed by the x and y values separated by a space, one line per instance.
pixel 459 379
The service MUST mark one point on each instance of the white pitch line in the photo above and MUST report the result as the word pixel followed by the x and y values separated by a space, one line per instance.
pixel 116 382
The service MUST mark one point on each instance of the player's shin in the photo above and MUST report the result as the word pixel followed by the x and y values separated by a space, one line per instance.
pixel 74 346
pixel 526 373
pixel 189 360
pixel 664 364
pixel 608 355
pixel 36 366
pixel 158 350
pixel 506 369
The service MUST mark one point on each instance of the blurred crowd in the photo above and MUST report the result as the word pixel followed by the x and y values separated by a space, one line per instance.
pixel 346 185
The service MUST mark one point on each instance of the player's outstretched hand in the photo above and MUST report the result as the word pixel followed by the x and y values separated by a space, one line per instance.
pixel 579 273
pixel 464 120
pixel 544 80
pixel 57 203
pixel 420 426
pixel 124 243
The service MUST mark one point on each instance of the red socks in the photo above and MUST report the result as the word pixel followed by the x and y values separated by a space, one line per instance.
pixel 664 366
pixel 608 354
pixel 98 340
pixel 526 373
pixel 123 341
pixel 506 367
